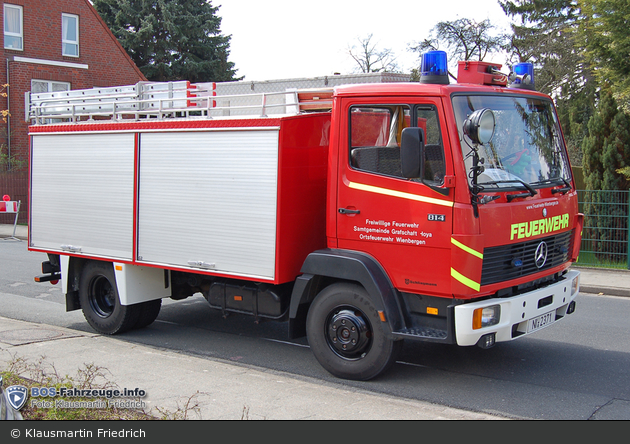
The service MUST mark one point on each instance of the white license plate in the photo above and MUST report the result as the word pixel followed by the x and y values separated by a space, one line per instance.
pixel 541 321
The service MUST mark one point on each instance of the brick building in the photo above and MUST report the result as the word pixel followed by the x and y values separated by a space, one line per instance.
pixel 50 45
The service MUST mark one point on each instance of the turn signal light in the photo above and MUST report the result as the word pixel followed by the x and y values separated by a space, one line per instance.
pixel 575 285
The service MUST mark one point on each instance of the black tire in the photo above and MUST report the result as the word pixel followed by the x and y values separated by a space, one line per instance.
pixel 345 335
pixel 98 295
pixel 148 312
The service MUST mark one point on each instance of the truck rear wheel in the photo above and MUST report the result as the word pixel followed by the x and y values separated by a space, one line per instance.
pixel 100 303
pixel 149 311
pixel 344 333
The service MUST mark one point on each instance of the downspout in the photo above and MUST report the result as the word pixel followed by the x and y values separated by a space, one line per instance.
pixel 8 119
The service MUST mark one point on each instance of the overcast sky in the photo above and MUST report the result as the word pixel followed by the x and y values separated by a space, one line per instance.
pixel 279 39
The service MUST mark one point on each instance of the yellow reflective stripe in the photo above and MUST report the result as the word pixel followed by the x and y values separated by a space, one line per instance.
pixel 403 195
pixel 464 280
pixel 467 249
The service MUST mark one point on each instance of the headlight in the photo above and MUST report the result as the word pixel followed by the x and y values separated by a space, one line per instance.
pixel 487 316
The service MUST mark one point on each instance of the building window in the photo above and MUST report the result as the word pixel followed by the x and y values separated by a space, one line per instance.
pixel 13 38
pixel 42 86
pixel 70 35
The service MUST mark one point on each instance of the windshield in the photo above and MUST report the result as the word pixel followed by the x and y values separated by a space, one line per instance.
pixel 526 146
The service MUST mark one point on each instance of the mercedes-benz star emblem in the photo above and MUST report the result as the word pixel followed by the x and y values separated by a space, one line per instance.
pixel 541 254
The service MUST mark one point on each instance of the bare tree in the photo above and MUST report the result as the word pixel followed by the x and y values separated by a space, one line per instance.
pixel 370 58
pixel 463 39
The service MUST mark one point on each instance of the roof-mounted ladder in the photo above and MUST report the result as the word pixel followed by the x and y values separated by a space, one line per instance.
pixel 166 100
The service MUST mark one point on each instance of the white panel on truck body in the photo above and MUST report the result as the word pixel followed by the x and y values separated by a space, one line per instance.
pixel 207 200
pixel 138 284
pixel 82 189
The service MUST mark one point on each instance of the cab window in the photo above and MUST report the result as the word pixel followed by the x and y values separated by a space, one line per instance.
pixel 434 166
pixel 375 133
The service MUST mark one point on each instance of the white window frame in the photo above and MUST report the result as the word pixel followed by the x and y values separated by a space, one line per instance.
pixel 65 41
pixel 20 34
pixel 51 84
pixel 50 88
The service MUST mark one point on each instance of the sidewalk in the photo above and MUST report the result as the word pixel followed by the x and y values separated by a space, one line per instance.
pixel 602 281
pixel 6 232
pixel 227 391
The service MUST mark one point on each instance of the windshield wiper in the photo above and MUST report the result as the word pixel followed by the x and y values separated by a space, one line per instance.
pixel 511 197
pixel 557 181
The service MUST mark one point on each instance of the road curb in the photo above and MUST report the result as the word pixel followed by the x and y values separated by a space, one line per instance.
pixel 607 291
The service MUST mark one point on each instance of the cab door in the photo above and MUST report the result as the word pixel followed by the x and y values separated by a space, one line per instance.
pixel 405 224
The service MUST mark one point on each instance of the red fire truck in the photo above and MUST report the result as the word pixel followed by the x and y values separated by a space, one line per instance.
pixel 361 215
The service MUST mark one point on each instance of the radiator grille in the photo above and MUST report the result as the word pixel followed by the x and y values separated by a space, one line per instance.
pixel 513 261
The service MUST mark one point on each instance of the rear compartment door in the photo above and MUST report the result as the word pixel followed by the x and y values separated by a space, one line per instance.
pixel 82 194
pixel 207 200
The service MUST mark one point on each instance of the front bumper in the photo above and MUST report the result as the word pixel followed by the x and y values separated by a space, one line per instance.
pixel 517 311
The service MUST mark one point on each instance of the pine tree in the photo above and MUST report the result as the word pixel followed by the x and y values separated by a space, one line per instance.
pixel 607 146
pixel 574 111
pixel 616 155
pixel 604 32
pixel 592 147
pixel 606 156
pixel 545 35
pixel 171 39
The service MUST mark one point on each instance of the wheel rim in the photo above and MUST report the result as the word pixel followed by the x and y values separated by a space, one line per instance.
pixel 348 333
pixel 102 296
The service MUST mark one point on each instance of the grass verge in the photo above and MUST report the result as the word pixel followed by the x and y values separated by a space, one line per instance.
pixel 89 377
pixel 590 259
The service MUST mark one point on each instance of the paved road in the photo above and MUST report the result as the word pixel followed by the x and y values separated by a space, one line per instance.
pixel 576 369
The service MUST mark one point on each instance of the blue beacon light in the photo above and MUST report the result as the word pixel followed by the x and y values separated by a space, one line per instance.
pixel 434 68
pixel 523 76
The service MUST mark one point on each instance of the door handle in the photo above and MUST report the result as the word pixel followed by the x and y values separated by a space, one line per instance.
pixel 347 211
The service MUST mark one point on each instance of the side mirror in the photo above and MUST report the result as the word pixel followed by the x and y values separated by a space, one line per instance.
pixel 479 126
pixel 412 152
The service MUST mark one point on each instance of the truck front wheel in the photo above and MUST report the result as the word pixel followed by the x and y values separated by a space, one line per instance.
pixel 100 303
pixel 344 333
